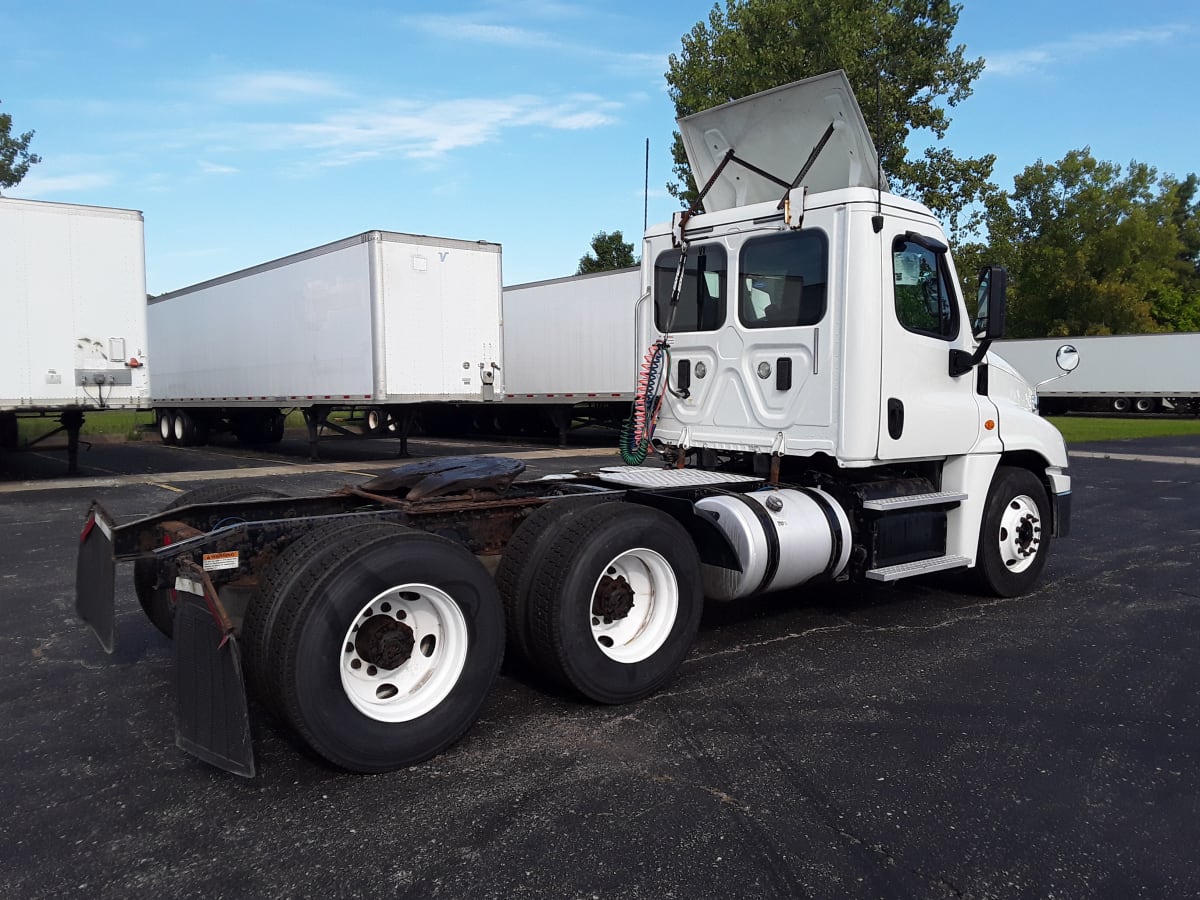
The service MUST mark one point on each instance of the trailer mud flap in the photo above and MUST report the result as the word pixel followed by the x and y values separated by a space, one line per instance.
pixel 95 577
pixel 212 721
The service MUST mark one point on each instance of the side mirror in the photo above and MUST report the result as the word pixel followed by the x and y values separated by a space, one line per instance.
pixel 992 303
pixel 1067 358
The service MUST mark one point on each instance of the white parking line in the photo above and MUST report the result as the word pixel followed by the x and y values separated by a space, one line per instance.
pixel 1137 457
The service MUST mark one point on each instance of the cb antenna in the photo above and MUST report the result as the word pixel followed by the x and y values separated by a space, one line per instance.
pixel 877 219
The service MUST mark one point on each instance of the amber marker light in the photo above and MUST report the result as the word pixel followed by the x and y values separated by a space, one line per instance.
pixel 990 424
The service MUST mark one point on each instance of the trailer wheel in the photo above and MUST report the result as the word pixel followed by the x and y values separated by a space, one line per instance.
pixel 184 427
pixel 1015 538
pixel 1121 404
pixel 616 603
pixel 166 426
pixel 1146 404
pixel 523 558
pixel 159 603
pixel 374 421
pixel 387 646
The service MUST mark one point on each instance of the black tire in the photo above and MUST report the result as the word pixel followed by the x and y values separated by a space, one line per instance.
pixel 342 585
pixel 374 421
pixel 262 611
pixel 1014 540
pixel 625 656
pixel 184 428
pixel 166 426
pixel 159 603
pixel 523 558
pixel 1121 404
pixel 1146 404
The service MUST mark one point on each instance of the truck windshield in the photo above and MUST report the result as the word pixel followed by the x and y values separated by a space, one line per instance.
pixel 702 295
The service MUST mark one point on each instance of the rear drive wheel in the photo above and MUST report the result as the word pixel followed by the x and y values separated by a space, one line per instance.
pixel 159 602
pixel 277 581
pixel 523 559
pixel 1015 537
pixel 616 603
pixel 387 645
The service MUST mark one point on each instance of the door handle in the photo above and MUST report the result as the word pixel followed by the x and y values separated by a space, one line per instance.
pixel 783 373
pixel 895 416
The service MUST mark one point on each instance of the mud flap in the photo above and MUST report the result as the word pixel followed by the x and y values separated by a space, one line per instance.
pixel 95 578
pixel 212 721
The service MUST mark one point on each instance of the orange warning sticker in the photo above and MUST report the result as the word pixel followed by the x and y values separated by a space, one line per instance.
pixel 215 561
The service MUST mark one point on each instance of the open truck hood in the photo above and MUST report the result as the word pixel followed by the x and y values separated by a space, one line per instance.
pixel 776 130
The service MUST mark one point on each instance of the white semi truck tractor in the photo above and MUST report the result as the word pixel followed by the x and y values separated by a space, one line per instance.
pixel 816 404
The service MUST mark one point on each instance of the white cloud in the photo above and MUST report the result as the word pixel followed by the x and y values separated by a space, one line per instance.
pixel 216 168
pixel 1042 56
pixel 472 29
pixel 429 131
pixel 270 87
pixel 35 185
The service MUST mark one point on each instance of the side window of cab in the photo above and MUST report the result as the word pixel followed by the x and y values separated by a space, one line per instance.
pixel 702 293
pixel 782 280
pixel 924 302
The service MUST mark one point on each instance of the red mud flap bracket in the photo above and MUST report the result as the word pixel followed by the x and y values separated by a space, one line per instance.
pixel 212 721
pixel 95 575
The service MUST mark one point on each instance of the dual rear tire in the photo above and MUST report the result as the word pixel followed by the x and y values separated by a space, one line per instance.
pixel 604 598
pixel 377 644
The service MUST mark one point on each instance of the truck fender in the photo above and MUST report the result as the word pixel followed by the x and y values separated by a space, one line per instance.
pixel 711 542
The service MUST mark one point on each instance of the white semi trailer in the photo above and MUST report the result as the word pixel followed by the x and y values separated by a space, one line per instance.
pixel 569 349
pixel 378 321
pixel 73 303
pixel 1132 373
pixel 815 383
pixel 400 328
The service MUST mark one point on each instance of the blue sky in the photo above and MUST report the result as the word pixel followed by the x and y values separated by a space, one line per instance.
pixel 249 130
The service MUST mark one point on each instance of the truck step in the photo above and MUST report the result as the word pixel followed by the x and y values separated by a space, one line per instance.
pixel 636 476
pixel 934 498
pixel 921 567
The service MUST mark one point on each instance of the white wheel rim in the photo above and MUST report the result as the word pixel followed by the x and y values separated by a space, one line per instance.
pixel 178 421
pixel 645 577
pixel 419 677
pixel 165 426
pixel 1020 533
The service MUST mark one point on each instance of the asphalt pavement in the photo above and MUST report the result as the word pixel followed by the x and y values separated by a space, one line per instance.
pixel 893 741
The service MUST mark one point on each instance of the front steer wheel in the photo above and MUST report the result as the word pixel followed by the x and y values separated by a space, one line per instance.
pixel 1015 538
pixel 387 643
pixel 616 603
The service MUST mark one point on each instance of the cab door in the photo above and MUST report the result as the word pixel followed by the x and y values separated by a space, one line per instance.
pixel 924 411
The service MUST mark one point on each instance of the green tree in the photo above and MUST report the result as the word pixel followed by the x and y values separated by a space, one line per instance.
pixel 898 51
pixel 15 158
pixel 609 251
pixel 1095 250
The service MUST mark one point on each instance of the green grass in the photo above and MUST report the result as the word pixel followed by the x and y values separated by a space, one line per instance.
pixel 131 424
pixel 127 423
pixel 1078 429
